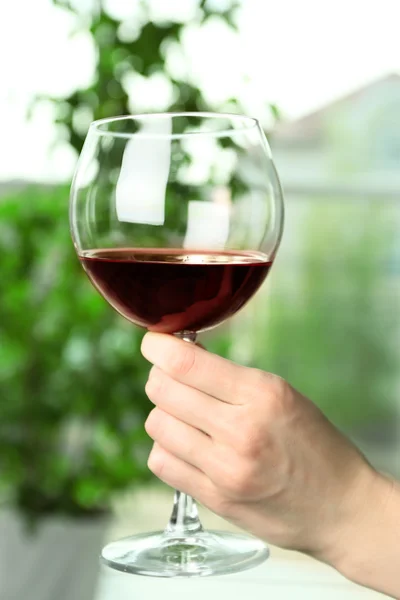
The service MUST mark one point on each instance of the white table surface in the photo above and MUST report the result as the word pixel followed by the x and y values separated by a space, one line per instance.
pixel 277 579
pixel 285 575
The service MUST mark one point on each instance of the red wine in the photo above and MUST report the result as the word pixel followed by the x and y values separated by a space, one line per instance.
pixel 175 290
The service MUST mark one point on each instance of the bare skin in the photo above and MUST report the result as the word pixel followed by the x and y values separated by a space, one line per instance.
pixel 255 451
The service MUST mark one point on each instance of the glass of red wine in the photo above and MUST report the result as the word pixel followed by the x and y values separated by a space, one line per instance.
pixel 176 219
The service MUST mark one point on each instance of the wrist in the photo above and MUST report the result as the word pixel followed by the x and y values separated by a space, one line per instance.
pixel 368 546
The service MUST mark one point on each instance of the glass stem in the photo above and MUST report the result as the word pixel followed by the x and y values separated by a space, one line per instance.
pixel 185 517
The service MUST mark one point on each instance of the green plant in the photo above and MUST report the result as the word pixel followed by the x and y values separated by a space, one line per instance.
pixel 135 47
pixel 71 375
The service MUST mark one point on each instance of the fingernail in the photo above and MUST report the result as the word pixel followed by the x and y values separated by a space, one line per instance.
pixel 155 346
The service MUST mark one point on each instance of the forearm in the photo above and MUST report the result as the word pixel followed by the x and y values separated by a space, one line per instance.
pixel 370 553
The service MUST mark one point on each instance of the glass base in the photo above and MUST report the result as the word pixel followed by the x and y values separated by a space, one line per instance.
pixel 204 553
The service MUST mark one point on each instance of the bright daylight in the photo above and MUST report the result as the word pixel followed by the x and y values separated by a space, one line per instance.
pixel 199 300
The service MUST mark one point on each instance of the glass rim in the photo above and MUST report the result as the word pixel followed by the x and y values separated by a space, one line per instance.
pixel 248 123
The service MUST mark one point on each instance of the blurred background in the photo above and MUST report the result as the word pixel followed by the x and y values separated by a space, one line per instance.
pixel 324 80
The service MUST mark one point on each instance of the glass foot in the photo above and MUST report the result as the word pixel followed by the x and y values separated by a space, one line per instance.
pixel 163 554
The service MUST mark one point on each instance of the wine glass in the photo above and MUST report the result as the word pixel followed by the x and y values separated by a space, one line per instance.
pixel 176 219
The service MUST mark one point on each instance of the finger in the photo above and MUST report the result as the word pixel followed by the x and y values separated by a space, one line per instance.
pixel 181 476
pixel 183 441
pixel 186 403
pixel 194 366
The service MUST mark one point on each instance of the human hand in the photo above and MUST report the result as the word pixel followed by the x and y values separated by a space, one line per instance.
pixel 255 451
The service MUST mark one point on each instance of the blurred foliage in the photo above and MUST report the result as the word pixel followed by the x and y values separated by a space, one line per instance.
pixel 128 48
pixel 71 374
pixel 331 326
